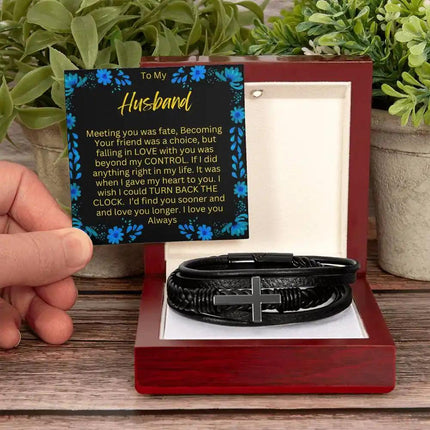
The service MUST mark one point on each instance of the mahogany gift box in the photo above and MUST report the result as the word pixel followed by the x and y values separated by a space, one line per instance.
pixel 308 139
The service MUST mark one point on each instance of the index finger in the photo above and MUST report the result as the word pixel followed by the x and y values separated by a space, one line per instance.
pixel 27 201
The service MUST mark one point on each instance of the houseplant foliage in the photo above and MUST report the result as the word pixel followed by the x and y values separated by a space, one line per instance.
pixel 394 33
pixel 39 39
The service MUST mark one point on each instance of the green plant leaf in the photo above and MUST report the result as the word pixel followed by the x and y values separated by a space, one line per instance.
pixel 245 18
pixel 425 82
pixel 391 7
pixel 105 15
pixel 72 5
pixel 87 3
pixel 20 9
pixel 206 46
pixel 399 106
pixel 59 63
pixel 231 26
pixel 388 30
pixel 172 43
pixel 408 78
pixel 427 117
pixel 5 10
pixel 5 124
pixel 418 49
pixel 304 26
pixel 24 67
pixel 424 70
pixel 363 12
pixel 222 21
pixel 57 94
pixel 194 36
pixel 403 36
pixel 359 28
pixel 162 47
pixel 417 117
pixel 329 39
pixel 27 28
pixel 323 5
pixel 115 34
pixel 40 117
pixel 151 33
pixel 321 18
pixel 390 91
pixel 416 60
pixel 103 57
pixel 413 25
pixel 32 85
pixel 50 15
pixel 408 89
pixel 84 31
pixel 254 8
pixel 39 40
pixel 178 11
pixel 6 103
pixel 104 29
pixel 129 53
pixel 405 117
pixel 6 26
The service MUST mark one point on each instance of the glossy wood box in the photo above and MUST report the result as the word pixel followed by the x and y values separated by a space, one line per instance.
pixel 277 366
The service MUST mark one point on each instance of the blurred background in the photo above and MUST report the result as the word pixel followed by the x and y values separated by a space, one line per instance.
pixel 23 153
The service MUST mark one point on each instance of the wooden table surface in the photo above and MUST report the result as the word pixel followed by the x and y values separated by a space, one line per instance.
pixel 89 383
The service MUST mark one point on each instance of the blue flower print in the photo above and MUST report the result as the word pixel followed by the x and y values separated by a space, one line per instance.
pixel 187 230
pixel 204 232
pixel 179 77
pixel 240 189
pixel 122 79
pixel 91 232
pixel 238 228
pixel 198 73
pixel 233 75
pixel 134 230
pixel 70 80
pixel 104 76
pixel 115 235
pixel 237 115
pixel 77 223
pixel 75 191
pixel 70 120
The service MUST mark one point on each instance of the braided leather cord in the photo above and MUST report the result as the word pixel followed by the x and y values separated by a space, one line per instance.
pixel 299 297
pixel 200 296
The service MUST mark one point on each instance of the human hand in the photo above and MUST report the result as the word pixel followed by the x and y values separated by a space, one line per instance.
pixel 38 253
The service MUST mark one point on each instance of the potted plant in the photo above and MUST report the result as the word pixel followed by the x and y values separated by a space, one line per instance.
pixel 395 34
pixel 41 39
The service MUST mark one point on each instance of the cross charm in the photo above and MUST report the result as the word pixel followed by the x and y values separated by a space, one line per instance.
pixel 256 299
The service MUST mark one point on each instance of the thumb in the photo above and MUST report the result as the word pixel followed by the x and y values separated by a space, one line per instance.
pixel 42 257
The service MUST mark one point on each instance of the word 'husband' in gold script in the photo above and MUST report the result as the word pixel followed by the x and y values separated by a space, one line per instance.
pixel 133 103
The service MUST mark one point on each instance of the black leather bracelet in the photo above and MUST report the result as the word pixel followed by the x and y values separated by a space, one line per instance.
pixel 261 289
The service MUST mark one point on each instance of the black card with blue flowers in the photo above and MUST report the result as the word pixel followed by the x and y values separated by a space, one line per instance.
pixel 158 154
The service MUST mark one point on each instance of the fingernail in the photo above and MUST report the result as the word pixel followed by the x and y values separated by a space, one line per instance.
pixel 19 340
pixel 77 248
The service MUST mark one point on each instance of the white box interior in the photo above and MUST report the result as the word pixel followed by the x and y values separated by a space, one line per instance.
pixel 297 144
